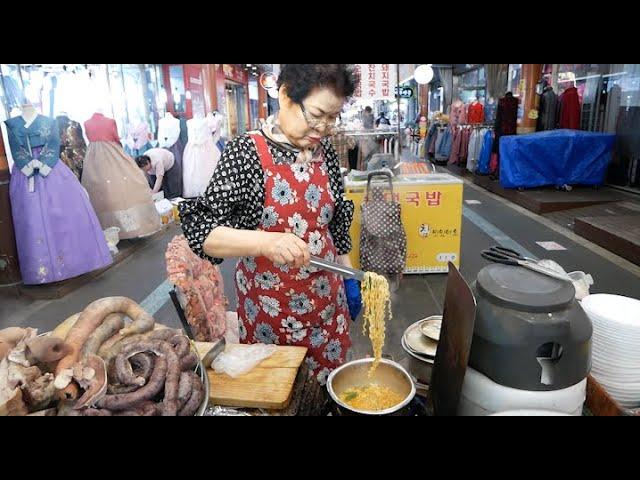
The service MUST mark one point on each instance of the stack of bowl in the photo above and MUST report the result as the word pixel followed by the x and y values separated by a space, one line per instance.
pixel 616 345
pixel 420 341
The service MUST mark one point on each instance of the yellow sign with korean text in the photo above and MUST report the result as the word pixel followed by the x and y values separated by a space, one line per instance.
pixel 431 208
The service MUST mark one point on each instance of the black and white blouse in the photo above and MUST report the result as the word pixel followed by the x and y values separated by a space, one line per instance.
pixel 235 196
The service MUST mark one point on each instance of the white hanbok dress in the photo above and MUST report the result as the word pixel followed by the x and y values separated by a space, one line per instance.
pixel 200 158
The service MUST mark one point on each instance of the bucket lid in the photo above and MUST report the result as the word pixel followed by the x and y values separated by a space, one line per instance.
pixel 523 289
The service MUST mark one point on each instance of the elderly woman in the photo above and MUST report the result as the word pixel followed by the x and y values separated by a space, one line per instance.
pixel 275 199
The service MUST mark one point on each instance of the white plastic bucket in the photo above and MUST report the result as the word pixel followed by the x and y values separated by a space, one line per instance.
pixel 482 396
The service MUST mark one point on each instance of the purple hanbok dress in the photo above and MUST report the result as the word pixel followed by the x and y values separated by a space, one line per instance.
pixel 57 232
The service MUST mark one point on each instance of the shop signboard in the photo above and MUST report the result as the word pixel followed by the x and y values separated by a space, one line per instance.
pixel 220 89
pixel 404 92
pixel 377 81
pixel 235 73
pixel 195 89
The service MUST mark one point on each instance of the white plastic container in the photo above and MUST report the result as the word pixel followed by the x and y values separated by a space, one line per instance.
pixel 530 413
pixel 481 396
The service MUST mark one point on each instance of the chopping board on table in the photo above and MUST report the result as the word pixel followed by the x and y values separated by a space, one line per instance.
pixel 269 385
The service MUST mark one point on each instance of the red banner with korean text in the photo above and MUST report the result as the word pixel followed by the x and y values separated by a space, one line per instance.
pixel 377 81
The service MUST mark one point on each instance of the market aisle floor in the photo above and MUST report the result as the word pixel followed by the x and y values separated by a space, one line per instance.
pixel 142 276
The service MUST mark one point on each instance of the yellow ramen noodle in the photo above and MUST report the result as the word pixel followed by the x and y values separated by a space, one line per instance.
pixel 371 397
pixel 377 304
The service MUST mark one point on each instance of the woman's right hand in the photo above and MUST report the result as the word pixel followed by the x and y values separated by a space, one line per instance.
pixel 285 248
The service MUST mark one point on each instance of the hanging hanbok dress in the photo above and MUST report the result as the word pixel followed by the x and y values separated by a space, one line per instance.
pixel 118 189
pixel 57 233
pixel 72 145
pixel 200 158
pixel 169 139
pixel 137 141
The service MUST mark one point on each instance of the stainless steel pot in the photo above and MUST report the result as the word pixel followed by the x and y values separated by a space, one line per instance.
pixel 356 374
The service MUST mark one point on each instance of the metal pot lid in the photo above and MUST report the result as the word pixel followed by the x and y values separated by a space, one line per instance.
pixel 522 289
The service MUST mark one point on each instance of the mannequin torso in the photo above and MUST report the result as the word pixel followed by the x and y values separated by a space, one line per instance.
pixel 29 114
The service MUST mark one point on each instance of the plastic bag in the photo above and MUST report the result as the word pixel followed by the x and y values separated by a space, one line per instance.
pixel 581 281
pixel 239 361
pixel 232 333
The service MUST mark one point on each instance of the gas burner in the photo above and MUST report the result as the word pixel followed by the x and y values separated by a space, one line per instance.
pixel 416 408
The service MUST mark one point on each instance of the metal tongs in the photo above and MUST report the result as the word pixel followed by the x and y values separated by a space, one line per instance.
pixel 507 256
pixel 346 272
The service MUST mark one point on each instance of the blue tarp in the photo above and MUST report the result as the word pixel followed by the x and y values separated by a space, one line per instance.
pixel 555 157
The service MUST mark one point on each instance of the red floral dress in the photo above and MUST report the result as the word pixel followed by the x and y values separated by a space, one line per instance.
pixel 289 306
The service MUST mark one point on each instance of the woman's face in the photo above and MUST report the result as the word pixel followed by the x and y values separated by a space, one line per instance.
pixel 320 109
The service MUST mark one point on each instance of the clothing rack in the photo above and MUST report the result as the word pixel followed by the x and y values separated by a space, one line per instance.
pixel 369 134
pixel 476 125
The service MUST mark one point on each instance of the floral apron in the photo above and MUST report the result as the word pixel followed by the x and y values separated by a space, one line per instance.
pixel 290 306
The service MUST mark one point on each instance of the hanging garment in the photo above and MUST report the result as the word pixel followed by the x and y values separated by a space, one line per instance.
pixel 490 109
pixel 471 153
pixel 570 109
pixel 465 146
pixel 200 158
pixel 184 130
pixel 168 131
pixel 72 145
pixel 137 141
pixel 457 113
pixel 287 306
pixel 431 134
pixel 494 163
pixel 506 118
pixel 118 189
pixel 438 144
pixel 433 140
pixel 57 233
pixel 484 158
pixel 475 113
pixel 456 146
pixel 444 150
pixel 169 137
pixel 547 111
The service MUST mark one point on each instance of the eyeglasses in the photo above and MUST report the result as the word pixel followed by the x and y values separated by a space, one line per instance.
pixel 314 122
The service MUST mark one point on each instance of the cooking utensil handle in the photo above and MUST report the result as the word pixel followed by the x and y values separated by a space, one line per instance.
pixel 506 251
pixel 494 256
pixel 337 268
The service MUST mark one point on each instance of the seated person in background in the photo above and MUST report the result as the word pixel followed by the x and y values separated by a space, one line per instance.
pixel 159 164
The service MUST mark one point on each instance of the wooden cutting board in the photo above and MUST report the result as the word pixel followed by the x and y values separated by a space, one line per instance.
pixel 269 385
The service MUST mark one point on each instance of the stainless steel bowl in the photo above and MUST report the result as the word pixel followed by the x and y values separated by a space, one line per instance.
pixel 419 367
pixel 201 371
pixel 356 374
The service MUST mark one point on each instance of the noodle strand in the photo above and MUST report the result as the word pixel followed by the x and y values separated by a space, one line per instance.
pixel 377 304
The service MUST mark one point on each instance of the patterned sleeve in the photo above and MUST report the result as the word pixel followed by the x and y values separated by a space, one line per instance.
pixel 232 199
pixel 343 214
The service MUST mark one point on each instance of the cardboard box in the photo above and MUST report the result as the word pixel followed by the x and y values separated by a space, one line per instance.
pixel 431 214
